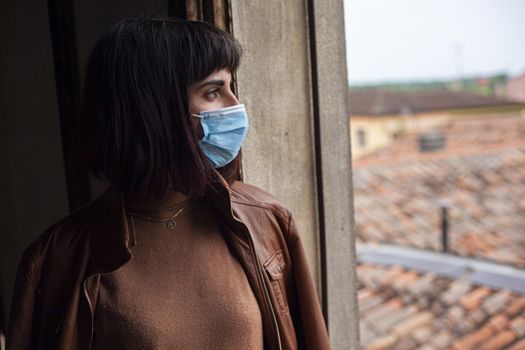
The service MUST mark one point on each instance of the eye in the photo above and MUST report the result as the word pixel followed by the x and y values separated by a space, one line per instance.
pixel 213 94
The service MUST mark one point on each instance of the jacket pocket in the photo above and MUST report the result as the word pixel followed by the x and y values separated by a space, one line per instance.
pixel 275 267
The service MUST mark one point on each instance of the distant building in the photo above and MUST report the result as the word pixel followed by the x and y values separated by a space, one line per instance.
pixel 378 117
pixel 516 88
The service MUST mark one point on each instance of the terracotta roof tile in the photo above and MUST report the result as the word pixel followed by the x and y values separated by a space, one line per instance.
pixel 392 274
pixel 380 311
pixel 496 302
pixel 497 323
pixel 518 326
pixel 428 346
pixel 386 342
pixel 422 335
pixel 456 291
pixel 455 315
pixel 423 285
pixel 392 318
pixel 407 326
pixel 405 281
pixel 443 339
pixel 516 307
pixel 474 298
pixel 405 344
pixel 477 316
pixel 369 303
pixel 519 345
pixel 363 294
pixel 366 333
pixel 473 339
pixel 499 341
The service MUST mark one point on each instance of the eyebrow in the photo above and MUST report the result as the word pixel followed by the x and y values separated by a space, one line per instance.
pixel 217 82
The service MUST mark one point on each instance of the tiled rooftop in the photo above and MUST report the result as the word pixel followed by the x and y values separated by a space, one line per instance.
pixel 379 102
pixel 404 309
pixel 398 191
pixel 480 175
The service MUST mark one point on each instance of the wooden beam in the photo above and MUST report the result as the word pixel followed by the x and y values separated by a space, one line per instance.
pixel 217 12
pixel 194 10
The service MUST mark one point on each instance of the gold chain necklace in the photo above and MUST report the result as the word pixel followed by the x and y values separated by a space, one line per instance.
pixel 170 222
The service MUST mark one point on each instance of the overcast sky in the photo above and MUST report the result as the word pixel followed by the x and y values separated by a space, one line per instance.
pixel 391 40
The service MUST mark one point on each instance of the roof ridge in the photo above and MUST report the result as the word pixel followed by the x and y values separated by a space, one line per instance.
pixel 493 274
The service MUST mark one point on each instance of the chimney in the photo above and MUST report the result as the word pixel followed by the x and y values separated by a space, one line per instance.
pixel 431 141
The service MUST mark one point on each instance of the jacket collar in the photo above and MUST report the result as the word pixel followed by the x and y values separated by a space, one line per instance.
pixel 108 225
pixel 108 232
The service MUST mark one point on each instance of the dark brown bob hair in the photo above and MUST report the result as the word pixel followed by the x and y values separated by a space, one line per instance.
pixel 135 113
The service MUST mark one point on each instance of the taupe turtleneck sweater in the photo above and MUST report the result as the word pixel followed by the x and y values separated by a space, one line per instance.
pixel 182 290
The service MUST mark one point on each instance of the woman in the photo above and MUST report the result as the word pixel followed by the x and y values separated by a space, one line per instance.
pixel 176 254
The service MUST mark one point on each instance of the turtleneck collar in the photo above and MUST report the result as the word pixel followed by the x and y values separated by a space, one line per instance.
pixel 171 199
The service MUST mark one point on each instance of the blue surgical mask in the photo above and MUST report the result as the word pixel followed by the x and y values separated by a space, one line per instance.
pixel 224 131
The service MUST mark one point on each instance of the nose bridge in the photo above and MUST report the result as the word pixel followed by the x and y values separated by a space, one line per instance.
pixel 233 99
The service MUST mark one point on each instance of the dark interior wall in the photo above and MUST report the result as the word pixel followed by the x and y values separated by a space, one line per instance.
pixel 32 182
pixel 92 18
pixel 32 179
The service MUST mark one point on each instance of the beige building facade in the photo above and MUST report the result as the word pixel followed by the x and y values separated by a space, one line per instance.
pixel 370 133
pixel 381 117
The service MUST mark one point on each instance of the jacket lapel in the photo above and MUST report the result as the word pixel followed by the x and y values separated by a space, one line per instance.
pixel 241 241
pixel 109 233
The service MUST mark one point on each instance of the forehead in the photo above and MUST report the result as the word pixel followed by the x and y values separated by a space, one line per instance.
pixel 220 74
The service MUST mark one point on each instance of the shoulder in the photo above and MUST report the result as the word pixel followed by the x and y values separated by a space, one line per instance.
pixel 267 219
pixel 250 195
pixel 57 242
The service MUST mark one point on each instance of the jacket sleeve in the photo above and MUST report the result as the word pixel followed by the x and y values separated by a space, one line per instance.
pixel 307 316
pixel 19 334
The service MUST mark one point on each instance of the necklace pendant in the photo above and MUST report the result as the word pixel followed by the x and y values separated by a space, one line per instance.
pixel 172 225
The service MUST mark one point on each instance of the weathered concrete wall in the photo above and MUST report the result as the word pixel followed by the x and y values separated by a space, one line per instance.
pixel 293 81
pixel 274 83
pixel 336 165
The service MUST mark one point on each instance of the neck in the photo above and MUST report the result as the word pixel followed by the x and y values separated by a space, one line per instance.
pixel 142 200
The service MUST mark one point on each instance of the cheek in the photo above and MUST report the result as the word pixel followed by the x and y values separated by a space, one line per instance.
pixel 197 128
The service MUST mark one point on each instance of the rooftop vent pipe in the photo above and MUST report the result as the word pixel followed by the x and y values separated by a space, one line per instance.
pixel 431 141
pixel 444 206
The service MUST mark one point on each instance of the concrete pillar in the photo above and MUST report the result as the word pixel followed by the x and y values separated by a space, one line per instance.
pixel 293 81
pixel 274 83
pixel 334 156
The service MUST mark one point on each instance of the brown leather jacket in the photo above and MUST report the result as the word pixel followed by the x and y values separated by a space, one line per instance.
pixel 55 295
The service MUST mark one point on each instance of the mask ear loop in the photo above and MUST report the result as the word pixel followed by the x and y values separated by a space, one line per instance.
pixel 198 116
